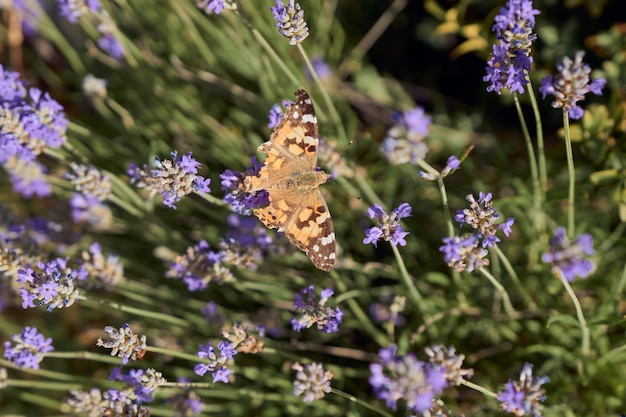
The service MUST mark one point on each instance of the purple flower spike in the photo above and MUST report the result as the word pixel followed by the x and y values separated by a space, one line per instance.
pixel 510 60
pixel 570 85
pixel 569 259
pixel 388 227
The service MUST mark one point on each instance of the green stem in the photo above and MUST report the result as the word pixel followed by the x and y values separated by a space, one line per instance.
pixel 368 190
pixel 414 294
pixel 456 276
pixel 48 29
pixel 479 388
pixel 125 206
pixel 329 103
pixel 173 353
pixel 446 207
pixel 263 42
pixel 572 176
pixel 612 239
pixel 212 199
pixel 426 167
pixel 509 268
pixel 39 385
pixel 168 318
pixel 127 118
pixel 359 401
pixel 506 301
pixel 581 317
pixel 620 285
pixel 541 154
pixel 532 161
pixel 359 314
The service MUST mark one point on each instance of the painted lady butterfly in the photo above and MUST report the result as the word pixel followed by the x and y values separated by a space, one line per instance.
pixel 290 176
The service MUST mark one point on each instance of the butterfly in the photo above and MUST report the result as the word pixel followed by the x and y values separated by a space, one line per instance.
pixel 290 176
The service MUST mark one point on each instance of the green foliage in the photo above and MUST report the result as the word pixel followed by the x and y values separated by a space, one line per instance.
pixel 200 83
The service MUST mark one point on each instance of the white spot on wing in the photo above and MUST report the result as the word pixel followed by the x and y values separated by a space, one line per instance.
pixel 328 239
pixel 309 118
pixel 296 115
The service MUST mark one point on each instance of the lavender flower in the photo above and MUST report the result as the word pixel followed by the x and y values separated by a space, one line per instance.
pixel 245 230
pixel 72 10
pixel 214 315
pixel 172 178
pixel 244 248
pixel 312 381
pixel 463 253
pixel 247 243
pixel 243 340
pixel 108 41
pixel 452 165
pixel 23 243
pixel 388 227
pixel 12 88
pixel 151 379
pixel 93 87
pixel 30 121
pixel 111 46
pixel 523 397
pixel 199 266
pixel 90 181
pixel 570 85
pixel 290 21
pixel 239 199
pixel 275 115
pixel 321 68
pixel 405 139
pixel 211 6
pixel 28 178
pixel 186 403
pixel 451 362
pixel 331 156
pixel 86 401
pixel 215 362
pixel 50 284
pixel 568 259
pixel 142 382
pixel 27 349
pixel 389 309
pixel 122 403
pixel 103 270
pixel 406 378
pixel 316 311
pixel 482 216
pixel 278 11
pixel 216 6
pixel 417 121
pixel 37 232
pixel 31 11
pixel 510 61
pixel 124 343
pixel 90 210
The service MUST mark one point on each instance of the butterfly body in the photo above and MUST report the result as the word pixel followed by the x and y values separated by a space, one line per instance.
pixel 290 176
